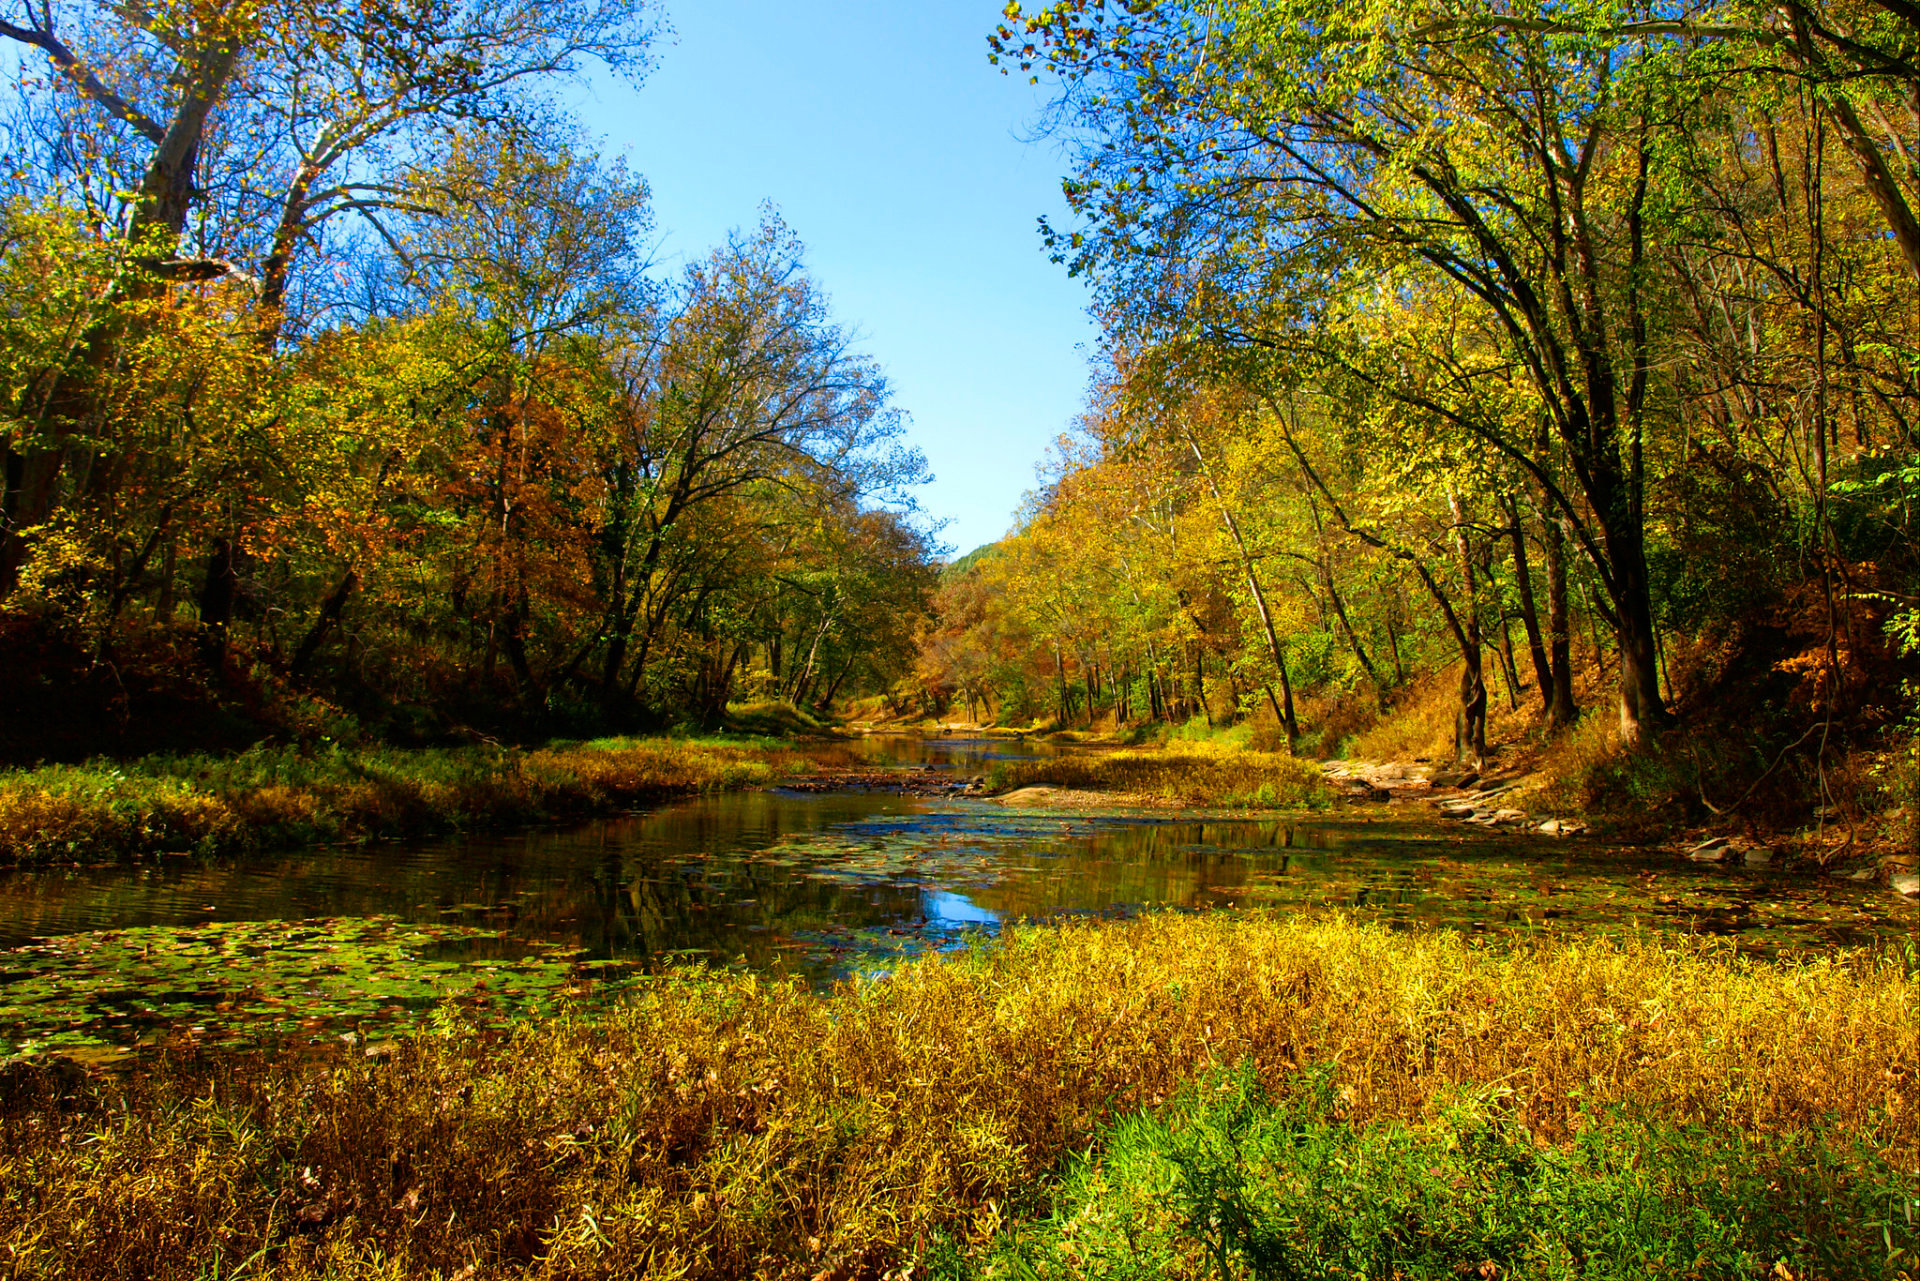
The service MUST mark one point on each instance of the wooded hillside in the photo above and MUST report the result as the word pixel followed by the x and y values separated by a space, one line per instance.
pixel 1544 348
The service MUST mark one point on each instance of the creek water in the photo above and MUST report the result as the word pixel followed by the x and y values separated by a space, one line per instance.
pixel 814 884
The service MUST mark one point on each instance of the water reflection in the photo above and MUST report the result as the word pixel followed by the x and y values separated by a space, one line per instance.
pixel 807 883
pixel 827 884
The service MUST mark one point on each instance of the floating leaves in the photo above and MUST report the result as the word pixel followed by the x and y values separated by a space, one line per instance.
pixel 110 991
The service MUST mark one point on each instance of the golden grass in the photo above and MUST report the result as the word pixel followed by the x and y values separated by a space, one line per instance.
pixel 1420 725
pixel 1183 772
pixel 275 798
pixel 727 1127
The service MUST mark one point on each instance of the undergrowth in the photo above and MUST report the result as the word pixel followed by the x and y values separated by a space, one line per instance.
pixel 1234 1181
pixel 277 797
pixel 724 1126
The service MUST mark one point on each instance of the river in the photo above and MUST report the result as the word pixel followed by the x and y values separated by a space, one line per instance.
pixel 362 940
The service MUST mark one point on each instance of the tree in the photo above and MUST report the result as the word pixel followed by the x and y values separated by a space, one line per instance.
pixel 1250 171
pixel 187 105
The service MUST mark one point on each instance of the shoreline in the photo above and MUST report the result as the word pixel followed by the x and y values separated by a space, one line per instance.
pixel 284 798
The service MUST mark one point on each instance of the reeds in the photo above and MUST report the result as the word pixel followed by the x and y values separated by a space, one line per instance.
pixel 280 797
pixel 1190 773
pixel 723 1126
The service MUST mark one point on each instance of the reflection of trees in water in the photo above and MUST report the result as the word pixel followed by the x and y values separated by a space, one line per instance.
pixel 686 879
pixel 1159 863
pixel 687 876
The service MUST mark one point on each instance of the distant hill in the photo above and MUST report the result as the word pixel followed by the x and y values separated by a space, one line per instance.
pixel 954 569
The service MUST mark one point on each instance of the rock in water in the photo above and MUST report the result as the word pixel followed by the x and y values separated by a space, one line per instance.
pixel 1711 850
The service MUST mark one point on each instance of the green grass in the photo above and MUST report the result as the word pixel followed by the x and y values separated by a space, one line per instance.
pixel 1234 1181
pixel 719 1126
pixel 279 797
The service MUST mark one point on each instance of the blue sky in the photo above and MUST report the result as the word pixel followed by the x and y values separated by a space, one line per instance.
pixel 898 155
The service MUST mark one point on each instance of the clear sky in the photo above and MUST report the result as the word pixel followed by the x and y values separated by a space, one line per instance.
pixel 898 155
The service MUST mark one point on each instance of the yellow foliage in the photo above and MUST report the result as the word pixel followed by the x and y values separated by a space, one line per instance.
pixel 724 1126
pixel 1195 773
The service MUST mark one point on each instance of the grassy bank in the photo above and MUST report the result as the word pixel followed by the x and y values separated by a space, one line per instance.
pixel 726 1127
pixel 269 798
pixel 1181 772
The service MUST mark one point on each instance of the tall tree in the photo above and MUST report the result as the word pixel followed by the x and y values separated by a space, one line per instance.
pixel 1251 169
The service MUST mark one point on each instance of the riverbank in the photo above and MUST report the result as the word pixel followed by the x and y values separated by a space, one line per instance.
pixel 276 798
pixel 1580 783
pixel 1175 774
pixel 722 1126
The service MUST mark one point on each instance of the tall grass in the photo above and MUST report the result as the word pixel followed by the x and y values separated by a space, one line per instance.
pixel 279 797
pixel 722 1126
pixel 1184 771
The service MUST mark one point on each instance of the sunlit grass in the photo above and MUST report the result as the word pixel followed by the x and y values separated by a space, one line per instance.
pixel 1186 772
pixel 1235 1180
pixel 283 796
pixel 723 1126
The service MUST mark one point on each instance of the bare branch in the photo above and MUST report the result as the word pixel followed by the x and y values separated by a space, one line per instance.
pixel 84 79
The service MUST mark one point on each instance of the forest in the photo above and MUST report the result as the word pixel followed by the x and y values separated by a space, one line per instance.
pixel 341 395
pixel 1564 360
pixel 502 776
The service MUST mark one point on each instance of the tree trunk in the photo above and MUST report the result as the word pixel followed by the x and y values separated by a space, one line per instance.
pixel 826 699
pixel 1470 736
pixel 1275 650
pixel 163 607
pixel 1641 708
pixel 217 595
pixel 1508 670
pixel 1200 684
pixel 1561 711
pixel 1340 606
pixel 1353 639
pixel 804 676
pixel 1529 612
pixel 330 612
pixel 32 482
pixel 1060 670
pixel 1393 642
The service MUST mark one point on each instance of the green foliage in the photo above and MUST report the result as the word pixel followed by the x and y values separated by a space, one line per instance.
pixel 1348 259
pixel 538 492
pixel 1231 1181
